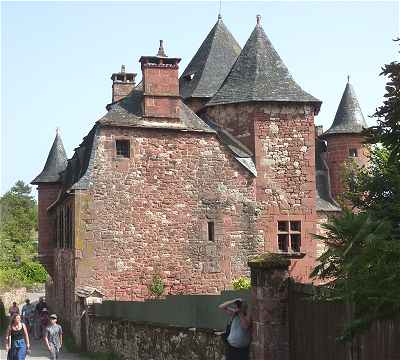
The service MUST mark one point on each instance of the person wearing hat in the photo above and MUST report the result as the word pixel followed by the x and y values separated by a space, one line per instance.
pixel 53 337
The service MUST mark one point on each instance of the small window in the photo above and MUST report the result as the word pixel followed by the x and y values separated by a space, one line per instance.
pixel 122 147
pixel 295 242
pixel 211 231
pixel 283 226
pixel 353 153
pixel 283 242
pixel 289 236
pixel 295 226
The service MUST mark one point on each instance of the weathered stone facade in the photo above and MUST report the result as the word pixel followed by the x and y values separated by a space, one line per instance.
pixel 146 341
pixel 282 139
pixel 148 215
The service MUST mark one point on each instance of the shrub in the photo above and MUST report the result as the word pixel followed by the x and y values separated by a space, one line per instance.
pixel 33 272
pixel 157 286
pixel 242 283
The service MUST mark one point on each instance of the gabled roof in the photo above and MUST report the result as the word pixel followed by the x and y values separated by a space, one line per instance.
pixel 259 74
pixel 56 163
pixel 212 62
pixel 129 112
pixel 349 118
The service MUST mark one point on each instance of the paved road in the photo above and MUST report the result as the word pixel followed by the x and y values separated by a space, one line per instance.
pixel 40 353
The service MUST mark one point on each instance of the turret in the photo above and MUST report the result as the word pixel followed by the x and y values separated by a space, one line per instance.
pixel 209 66
pixel 344 138
pixel 49 184
pixel 261 105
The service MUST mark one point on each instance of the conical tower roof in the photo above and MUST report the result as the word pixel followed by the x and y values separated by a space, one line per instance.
pixel 56 163
pixel 212 62
pixel 259 74
pixel 349 118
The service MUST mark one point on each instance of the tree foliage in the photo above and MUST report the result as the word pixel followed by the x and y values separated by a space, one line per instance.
pixel 18 238
pixel 361 263
pixel 360 267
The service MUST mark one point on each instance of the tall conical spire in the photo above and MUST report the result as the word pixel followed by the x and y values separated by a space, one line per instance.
pixel 259 74
pixel 349 118
pixel 56 163
pixel 211 63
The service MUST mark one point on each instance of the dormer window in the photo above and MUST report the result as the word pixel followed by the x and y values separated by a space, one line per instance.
pixel 122 148
pixel 353 152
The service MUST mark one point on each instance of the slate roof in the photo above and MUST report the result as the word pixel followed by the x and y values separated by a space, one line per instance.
pixel 56 163
pixel 349 118
pixel 211 63
pixel 129 112
pixel 324 199
pixel 259 74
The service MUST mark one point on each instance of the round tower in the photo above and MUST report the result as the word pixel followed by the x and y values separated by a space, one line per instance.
pixel 49 184
pixel 344 138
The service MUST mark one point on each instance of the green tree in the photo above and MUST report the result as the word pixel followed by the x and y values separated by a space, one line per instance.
pixel 18 238
pixel 360 267
pixel 360 264
pixel 18 216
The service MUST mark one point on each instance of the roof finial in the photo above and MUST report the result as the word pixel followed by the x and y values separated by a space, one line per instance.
pixel 258 17
pixel 219 13
pixel 122 69
pixel 348 78
pixel 57 131
pixel 161 51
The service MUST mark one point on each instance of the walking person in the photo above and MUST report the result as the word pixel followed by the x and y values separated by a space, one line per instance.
pixel 27 314
pixel 37 323
pixel 239 337
pixel 17 339
pixel 14 309
pixel 3 317
pixel 53 337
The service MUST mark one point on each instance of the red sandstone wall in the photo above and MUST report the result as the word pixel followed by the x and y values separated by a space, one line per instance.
pixel 47 194
pixel 337 154
pixel 148 215
pixel 283 141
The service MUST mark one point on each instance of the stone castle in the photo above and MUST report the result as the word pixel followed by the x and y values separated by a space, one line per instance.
pixel 186 177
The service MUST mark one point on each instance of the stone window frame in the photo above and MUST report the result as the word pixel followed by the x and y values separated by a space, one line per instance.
pixel 127 142
pixel 286 232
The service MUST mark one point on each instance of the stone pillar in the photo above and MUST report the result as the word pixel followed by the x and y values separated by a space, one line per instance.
pixel 270 307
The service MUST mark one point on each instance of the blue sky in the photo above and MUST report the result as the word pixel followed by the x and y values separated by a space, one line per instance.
pixel 57 59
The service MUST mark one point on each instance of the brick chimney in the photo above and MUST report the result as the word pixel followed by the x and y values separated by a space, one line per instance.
pixel 160 85
pixel 123 84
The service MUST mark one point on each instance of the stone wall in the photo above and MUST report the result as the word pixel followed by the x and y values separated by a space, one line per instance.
pixel 282 138
pixel 149 342
pixel 9 296
pixel 337 154
pixel 47 194
pixel 148 215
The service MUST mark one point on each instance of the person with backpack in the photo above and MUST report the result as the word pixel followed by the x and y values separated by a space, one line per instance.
pixel 238 334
